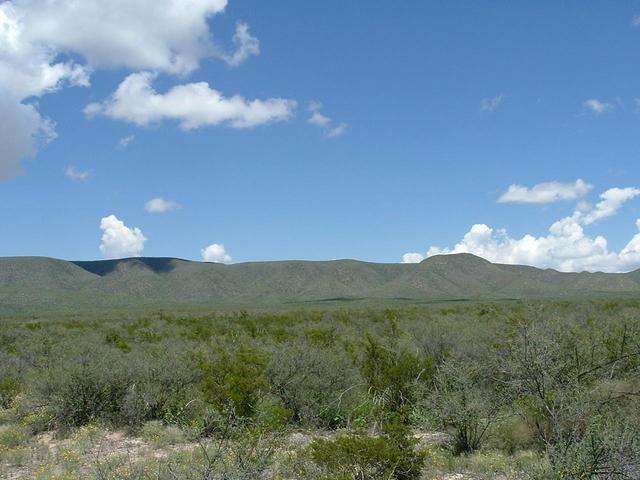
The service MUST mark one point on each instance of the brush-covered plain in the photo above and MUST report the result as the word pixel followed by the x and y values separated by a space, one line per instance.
pixel 523 390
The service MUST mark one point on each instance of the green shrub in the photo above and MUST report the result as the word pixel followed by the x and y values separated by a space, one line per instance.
pixel 85 391
pixel 38 420
pixel 511 435
pixel 235 380
pixel 392 374
pixel 463 402
pixel 605 450
pixel 320 387
pixel 123 389
pixel 162 382
pixel 270 414
pixel 360 456
pixel 160 435
pixel 10 383
pixel 12 436
pixel 113 337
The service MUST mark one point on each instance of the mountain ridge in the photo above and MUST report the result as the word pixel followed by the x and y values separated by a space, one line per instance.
pixel 35 285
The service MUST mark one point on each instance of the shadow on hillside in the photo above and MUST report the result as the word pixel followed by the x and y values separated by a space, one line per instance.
pixel 105 267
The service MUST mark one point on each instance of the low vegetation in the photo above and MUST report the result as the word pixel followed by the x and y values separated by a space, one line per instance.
pixel 544 390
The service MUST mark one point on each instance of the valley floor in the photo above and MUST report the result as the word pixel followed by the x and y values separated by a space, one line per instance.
pixel 540 390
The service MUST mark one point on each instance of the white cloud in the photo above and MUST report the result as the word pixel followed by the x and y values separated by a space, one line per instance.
pixel 246 45
pixel 318 119
pixel 566 247
pixel 412 257
pixel 635 21
pixel 22 131
pixel 610 203
pixel 490 104
pixel 160 205
pixel 193 105
pixel 74 174
pixel 337 131
pixel 597 106
pixel 322 121
pixel 630 254
pixel 215 253
pixel 46 45
pixel 546 192
pixel 126 141
pixel 164 35
pixel 120 241
pixel 29 66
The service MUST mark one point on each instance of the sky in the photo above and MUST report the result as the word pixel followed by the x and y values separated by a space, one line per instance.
pixel 244 130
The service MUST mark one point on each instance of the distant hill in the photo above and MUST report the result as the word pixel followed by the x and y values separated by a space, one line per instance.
pixel 37 285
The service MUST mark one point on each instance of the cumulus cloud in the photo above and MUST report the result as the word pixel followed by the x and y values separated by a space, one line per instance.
pixel 193 105
pixel 120 241
pixel 413 257
pixel 29 66
pixel 246 45
pixel 46 45
pixel 490 104
pixel 566 247
pixel 74 174
pixel 160 205
pixel 597 106
pixel 546 192
pixel 22 132
pixel 215 253
pixel 164 35
pixel 320 120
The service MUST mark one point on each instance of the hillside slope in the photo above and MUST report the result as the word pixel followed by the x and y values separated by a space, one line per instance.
pixel 31 285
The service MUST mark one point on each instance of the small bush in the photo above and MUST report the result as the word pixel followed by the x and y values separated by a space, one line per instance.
pixel 512 435
pixel 393 374
pixel 462 402
pixel 161 435
pixel 320 387
pixel 235 380
pixel 10 384
pixel 39 420
pixel 604 450
pixel 85 392
pixel 12 436
pixel 359 456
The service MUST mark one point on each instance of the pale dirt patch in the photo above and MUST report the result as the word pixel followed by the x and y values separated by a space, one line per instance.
pixel 99 446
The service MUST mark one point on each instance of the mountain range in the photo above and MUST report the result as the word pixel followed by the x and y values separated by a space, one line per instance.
pixel 38 285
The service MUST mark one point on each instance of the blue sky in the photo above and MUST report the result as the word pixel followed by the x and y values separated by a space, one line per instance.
pixel 436 108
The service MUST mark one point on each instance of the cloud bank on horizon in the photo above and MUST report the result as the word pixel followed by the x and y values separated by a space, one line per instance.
pixel 566 247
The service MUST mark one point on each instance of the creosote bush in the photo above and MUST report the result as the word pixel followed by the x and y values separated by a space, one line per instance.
pixel 463 401
pixel 235 380
pixel 119 388
pixel 361 456
pixel 320 387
